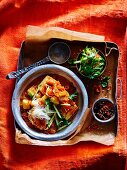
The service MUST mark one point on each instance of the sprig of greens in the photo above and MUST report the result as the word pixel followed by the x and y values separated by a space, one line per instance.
pixel 72 96
pixel 62 127
pixel 57 111
pixel 51 121
pixel 61 122
pixel 37 90
pixel 71 61
pixel 104 82
pixel 48 103
pixel 55 115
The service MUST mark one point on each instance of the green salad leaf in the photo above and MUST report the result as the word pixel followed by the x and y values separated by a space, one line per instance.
pixel 48 103
pixel 72 96
pixel 90 63
pixel 105 81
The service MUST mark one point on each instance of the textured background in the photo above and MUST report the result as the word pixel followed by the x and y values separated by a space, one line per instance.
pixel 103 17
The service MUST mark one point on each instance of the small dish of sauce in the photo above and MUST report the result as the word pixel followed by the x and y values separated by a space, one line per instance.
pixel 103 110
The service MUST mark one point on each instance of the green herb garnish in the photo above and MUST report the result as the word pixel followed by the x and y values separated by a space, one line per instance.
pixel 48 103
pixel 57 111
pixel 51 121
pixel 65 122
pixel 72 96
pixel 62 127
pixel 90 63
pixel 105 81
pixel 71 61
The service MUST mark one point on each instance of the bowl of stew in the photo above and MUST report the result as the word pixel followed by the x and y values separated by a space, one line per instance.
pixel 103 110
pixel 49 102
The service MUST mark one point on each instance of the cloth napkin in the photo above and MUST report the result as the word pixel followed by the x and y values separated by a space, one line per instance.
pixel 103 17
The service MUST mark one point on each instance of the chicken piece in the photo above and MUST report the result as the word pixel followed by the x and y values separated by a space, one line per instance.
pixel 71 112
pixel 38 117
pixel 46 84
pixel 48 80
pixel 43 99
pixel 49 91
pixel 68 110
pixel 52 129
pixel 38 123
pixel 54 100
pixel 53 88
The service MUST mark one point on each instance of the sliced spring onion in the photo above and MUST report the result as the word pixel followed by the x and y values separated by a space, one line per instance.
pixel 48 103
pixel 62 127
pixel 49 113
pixel 72 96
pixel 57 122
pixel 38 88
pixel 66 104
pixel 51 121
pixel 58 113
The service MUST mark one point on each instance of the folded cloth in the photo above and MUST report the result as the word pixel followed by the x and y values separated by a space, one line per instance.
pixel 106 18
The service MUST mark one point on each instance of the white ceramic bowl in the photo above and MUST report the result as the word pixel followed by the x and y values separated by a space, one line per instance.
pixel 45 70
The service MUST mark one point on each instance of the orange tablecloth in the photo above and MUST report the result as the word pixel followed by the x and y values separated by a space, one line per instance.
pixel 103 17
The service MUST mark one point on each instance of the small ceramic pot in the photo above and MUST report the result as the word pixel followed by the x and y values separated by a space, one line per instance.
pixel 104 107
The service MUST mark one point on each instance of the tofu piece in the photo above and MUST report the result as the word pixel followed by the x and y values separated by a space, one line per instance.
pixel 26 104
pixel 54 100
pixel 31 91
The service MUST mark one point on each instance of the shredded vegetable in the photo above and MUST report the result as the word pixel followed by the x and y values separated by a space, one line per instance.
pixel 90 63
pixel 48 106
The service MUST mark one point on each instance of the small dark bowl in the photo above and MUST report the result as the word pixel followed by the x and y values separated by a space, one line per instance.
pixel 101 54
pixel 96 105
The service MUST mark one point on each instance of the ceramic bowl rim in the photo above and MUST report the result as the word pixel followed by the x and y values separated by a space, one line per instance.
pixel 22 123
pixel 99 120
pixel 102 70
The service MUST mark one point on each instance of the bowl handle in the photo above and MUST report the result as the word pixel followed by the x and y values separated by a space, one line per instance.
pixel 109 47
pixel 119 83
pixel 15 74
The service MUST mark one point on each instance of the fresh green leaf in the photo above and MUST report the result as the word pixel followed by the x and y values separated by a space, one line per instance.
pixel 72 96
pixel 90 62
pixel 57 121
pixel 48 103
pixel 60 122
pixel 71 61
pixel 104 84
pixel 65 122
pixel 105 81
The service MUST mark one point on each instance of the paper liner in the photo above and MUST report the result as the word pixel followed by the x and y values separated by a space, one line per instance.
pixel 88 130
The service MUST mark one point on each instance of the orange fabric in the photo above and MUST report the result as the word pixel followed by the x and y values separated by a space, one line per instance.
pixel 103 17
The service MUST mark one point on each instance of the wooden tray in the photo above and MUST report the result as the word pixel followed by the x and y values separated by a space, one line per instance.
pixel 33 51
